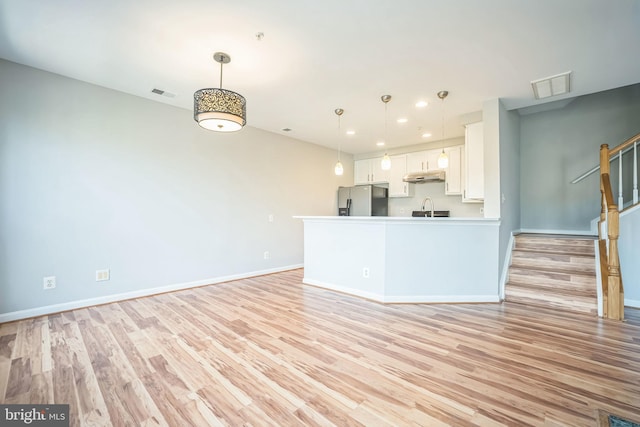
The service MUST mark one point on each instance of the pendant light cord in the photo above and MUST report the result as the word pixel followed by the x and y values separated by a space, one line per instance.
pixel 339 135
pixel 221 64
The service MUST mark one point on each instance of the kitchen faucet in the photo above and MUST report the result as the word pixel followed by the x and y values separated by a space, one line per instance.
pixel 425 201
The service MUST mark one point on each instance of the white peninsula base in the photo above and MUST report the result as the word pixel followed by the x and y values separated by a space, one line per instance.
pixel 404 260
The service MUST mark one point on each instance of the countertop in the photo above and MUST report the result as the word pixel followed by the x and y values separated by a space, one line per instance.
pixel 403 219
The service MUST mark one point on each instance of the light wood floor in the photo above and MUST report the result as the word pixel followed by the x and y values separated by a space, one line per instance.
pixel 271 351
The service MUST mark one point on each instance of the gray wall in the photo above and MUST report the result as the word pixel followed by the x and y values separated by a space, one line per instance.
pixel 559 145
pixel 91 178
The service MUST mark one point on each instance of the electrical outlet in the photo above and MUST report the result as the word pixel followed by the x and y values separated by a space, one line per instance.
pixel 266 255
pixel 49 282
pixel 365 272
pixel 102 275
pixel 270 217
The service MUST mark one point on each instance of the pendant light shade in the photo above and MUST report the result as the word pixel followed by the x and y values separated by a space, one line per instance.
pixel 219 109
pixel 385 164
pixel 339 170
pixel 443 159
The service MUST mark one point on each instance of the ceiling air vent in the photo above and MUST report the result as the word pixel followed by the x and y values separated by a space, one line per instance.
pixel 552 86
pixel 163 93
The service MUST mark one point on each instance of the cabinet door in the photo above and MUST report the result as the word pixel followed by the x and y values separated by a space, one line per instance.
pixel 432 159
pixel 417 162
pixel 398 188
pixel 377 174
pixel 453 176
pixel 361 172
pixel 474 162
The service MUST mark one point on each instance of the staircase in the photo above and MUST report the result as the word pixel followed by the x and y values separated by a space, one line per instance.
pixel 553 271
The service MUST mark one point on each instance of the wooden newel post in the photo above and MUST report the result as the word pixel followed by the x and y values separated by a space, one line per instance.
pixel 612 289
pixel 615 300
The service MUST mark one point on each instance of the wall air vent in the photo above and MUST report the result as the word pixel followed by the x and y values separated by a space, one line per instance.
pixel 552 86
pixel 163 93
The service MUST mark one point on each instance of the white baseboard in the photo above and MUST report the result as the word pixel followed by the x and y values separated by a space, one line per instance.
pixel 634 303
pixel 408 299
pixel 72 305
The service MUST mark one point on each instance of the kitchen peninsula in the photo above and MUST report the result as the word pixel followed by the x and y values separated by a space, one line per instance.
pixel 404 259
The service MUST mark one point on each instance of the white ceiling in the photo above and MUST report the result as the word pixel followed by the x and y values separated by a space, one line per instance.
pixel 316 56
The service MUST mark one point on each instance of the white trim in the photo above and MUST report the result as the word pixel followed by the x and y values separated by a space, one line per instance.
pixel 506 264
pixel 634 303
pixel 570 232
pixel 596 248
pixel 350 291
pixel 410 299
pixel 72 305
pixel 442 299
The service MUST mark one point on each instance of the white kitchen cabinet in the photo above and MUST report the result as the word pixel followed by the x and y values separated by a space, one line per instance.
pixel 453 176
pixel 417 162
pixel 474 163
pixel 423 161
pixel 432 159
pixel 369 171
pixel 397 187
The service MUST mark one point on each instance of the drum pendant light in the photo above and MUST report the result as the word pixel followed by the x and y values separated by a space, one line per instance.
pixel 219 109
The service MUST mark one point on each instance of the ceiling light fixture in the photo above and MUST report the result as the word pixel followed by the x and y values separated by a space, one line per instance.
pixel 421 104
pixel 386 160
pixel 443 159
pixel 219 109
pixel 339 170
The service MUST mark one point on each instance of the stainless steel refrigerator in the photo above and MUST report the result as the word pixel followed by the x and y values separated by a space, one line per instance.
pixel 363 200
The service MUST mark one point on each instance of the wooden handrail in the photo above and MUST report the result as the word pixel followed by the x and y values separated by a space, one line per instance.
pixel 612 287
pixel 613 152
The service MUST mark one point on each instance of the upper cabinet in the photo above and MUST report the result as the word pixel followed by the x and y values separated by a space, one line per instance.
pixel 397 187
pixel 453 175
pixel 369 171
pixel 474 163
pixel 423 161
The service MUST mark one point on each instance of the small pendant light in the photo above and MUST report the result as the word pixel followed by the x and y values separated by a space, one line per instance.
pixel 443 159
pixel 219 109
pixel 339 170
pixel 386 160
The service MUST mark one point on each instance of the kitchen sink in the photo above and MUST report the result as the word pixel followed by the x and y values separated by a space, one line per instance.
pixel 436 214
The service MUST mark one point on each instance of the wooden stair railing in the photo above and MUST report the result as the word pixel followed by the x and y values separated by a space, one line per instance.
pixel 612 286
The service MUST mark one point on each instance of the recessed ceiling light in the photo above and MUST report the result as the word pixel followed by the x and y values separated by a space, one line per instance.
pixel 351 132
pixel 421 104
pixel 286 130
pixel 380 143
pixel 426 135
pixel 403 120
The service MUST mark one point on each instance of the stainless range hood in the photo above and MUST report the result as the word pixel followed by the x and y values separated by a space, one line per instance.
pixel 418 177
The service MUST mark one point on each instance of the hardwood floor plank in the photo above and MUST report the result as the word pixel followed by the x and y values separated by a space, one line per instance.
pixel 269 351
